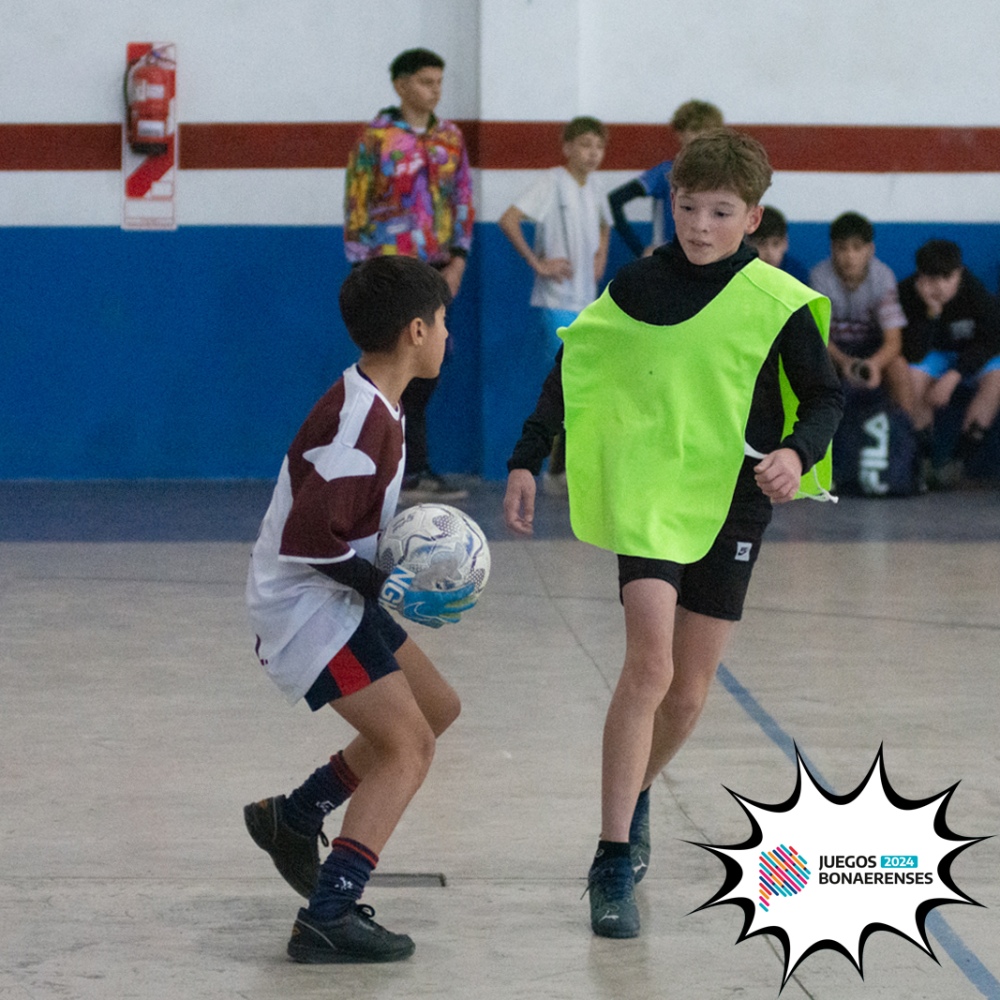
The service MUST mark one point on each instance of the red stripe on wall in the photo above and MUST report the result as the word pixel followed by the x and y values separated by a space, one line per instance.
pixel 60 147
pixel 267 145
pixel 498 145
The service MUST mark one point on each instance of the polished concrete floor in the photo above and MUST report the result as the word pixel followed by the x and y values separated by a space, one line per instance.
pixel 135 723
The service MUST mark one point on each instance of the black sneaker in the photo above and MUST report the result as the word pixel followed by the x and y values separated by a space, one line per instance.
pixel 430 486
pixel 354 937
pixel 294 854
pixel 638 837
pixel 611 885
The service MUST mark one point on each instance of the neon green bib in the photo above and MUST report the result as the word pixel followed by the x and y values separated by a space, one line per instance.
pixel 656 415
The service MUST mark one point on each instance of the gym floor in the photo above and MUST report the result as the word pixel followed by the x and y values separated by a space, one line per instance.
pixel 135 723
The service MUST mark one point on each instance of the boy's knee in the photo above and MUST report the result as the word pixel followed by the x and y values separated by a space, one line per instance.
pixel 648 675
pixel 684 704
pixel 447 712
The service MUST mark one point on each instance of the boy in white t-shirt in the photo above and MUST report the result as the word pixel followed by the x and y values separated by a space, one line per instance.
pixel 572 227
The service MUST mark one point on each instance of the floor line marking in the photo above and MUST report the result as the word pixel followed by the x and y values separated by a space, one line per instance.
pixel 967 961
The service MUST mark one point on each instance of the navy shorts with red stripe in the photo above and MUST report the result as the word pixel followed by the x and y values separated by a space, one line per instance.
pixel 369 654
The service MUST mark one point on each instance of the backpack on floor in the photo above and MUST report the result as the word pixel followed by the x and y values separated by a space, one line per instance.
pixel 874 449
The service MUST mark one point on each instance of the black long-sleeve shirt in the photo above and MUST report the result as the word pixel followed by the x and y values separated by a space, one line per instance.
pixel 666 289
pixel 969 324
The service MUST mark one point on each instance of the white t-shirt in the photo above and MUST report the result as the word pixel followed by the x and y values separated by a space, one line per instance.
pixel 338 487
pixel 567 217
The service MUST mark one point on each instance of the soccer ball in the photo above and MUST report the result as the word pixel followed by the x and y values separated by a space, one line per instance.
pixel 441 545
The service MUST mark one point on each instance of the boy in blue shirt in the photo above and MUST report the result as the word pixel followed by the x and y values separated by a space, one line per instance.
pixel 690 119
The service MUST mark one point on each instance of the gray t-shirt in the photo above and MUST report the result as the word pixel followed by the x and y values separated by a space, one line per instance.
pixel 859 316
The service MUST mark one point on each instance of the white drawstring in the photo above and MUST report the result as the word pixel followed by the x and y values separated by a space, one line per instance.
pixel 822 496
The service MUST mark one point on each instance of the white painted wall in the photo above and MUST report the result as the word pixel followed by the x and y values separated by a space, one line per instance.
pixel 890 62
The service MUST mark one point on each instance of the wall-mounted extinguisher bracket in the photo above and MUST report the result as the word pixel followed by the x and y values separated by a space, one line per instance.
pixel 149 136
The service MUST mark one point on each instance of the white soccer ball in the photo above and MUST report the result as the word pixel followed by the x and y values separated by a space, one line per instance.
pixel 441 545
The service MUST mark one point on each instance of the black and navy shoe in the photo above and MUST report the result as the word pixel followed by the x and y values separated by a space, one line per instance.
pixel 611 885
pixel 295 855
pixel 353 937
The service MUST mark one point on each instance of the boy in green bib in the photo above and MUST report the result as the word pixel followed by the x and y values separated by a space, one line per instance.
pixel 696 393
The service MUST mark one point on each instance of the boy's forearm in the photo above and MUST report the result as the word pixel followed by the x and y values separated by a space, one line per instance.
pixel 357 573
pixel 510 226
pixel 892 347
pixel 617 200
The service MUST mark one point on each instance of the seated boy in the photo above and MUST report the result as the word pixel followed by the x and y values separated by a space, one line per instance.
pixel 952 334
pixel 317 603
pixel 666 384
pixel 572 228
pixel 770 239
pixel 866 337
pixel 690 119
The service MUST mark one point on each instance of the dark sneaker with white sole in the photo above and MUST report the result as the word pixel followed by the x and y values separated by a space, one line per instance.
pixel 295 855
pixel 353 937
pixel 611 885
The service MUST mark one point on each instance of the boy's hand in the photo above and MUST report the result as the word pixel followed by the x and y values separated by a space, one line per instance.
pixel 519 501
pixel 864 373
pixel 778 474
pixel 452 273
pixel 553 267
pixel 433 608
pixel 932 294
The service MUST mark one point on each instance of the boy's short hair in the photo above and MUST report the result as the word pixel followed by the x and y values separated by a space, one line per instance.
pixel 412 61
pixel 382 295
pixel 697 116
pixel 938 258
pixel 584 125
pixel 852 225
pixel 723 159
pixel 772 224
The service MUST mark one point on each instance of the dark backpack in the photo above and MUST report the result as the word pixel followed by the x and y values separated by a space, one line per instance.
pixel 874 449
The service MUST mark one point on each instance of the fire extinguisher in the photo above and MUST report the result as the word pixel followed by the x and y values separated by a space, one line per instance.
pixel 149 93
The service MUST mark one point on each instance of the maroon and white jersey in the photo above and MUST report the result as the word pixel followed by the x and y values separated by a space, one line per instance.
pixel 338 487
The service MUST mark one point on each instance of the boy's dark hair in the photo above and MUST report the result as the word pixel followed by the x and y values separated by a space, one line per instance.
pixel 938 258
pixel 772 224
pixel 381 296
pixel 412 61
pixel 584 125
pixel 850 226
pixel 697 116
pixel 723 159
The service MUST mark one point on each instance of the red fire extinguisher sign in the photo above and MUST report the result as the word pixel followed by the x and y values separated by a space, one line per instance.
pixel 149 147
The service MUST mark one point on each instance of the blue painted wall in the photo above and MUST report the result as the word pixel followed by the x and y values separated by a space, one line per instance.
pixel 196 354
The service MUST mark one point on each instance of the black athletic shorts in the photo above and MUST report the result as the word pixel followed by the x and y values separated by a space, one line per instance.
pixel 716 585
pixel 369 654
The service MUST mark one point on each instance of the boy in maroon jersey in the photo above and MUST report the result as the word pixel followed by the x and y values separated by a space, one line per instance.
pixel 318 605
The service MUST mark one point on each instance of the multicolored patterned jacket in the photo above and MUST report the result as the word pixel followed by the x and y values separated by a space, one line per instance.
pixel 407 192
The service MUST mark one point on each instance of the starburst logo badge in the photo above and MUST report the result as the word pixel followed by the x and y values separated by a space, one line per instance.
pixel 876 861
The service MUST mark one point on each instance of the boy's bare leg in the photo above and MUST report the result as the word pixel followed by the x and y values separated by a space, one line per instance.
pixel 699 642
pixel 985 404
pixel 645 678
pixel 401 744
pixel 899 382
pixel 435 697
pixel 923 412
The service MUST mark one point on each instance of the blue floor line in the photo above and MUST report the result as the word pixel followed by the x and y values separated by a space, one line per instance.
pixel 959 952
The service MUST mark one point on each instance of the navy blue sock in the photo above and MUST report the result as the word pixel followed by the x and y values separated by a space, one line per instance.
pixel 607 849
pixel 342 879
pixel 325 789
